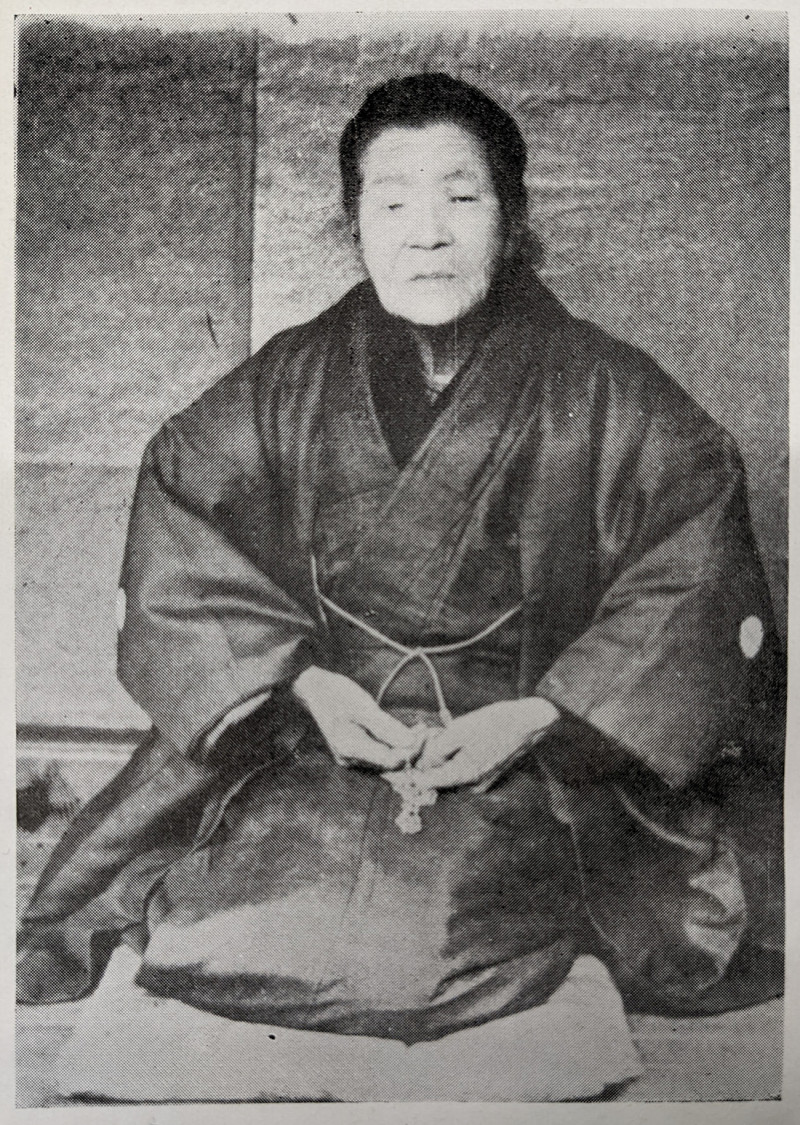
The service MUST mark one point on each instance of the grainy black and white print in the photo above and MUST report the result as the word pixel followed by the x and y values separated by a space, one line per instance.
pixel 401 557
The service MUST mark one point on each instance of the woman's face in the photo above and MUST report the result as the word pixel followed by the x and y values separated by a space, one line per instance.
pixel 430 222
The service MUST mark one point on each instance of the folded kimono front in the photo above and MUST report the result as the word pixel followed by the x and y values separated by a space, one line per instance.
pixel 133 1047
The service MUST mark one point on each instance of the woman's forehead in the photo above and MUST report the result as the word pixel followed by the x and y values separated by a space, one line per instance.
pixel 442 149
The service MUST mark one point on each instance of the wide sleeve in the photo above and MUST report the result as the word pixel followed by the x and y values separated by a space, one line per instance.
pixel 208 624
pixel 677 665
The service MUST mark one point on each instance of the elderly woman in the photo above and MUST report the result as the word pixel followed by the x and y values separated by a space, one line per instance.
pixel 457 647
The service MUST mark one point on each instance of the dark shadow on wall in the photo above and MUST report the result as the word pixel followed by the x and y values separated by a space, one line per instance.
pixel 135 167
pixel 134 230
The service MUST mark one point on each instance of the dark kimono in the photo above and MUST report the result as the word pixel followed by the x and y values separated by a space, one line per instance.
pixel 565 474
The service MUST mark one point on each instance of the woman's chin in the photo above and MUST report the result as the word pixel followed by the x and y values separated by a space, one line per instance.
pixel 429 309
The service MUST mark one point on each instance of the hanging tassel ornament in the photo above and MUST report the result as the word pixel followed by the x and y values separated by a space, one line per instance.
pixel 415 795
pixel 409 783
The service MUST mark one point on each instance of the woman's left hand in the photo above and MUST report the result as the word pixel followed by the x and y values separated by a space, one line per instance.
pixel 478 743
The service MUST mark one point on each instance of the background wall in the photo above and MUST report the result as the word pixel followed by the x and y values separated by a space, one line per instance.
pixel 134 231
pixel 659 186
pixel 134 247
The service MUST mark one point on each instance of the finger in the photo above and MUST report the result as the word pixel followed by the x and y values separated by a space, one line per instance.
pixel 442 745
pixel 360 747
pixel 432 757
pixel 385 728
pixel 458 770
pixel 421 732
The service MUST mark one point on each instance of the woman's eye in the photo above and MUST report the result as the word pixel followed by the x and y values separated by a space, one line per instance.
pixel 393 206
pixel 464 199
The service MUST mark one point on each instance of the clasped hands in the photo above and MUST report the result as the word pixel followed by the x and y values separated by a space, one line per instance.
pixel 471 748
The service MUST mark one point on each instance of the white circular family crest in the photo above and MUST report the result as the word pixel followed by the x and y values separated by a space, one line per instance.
pixel 122 603
pixel 751 636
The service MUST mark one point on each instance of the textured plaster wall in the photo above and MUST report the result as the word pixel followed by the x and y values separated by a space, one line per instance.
pixel 133 232
pixel 133 293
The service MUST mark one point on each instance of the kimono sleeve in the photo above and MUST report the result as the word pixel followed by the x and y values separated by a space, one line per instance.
pixel 208 626
pixel 678 664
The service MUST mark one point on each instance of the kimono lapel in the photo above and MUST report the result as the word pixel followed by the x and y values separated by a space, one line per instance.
pixel 413 522
pixel 350 422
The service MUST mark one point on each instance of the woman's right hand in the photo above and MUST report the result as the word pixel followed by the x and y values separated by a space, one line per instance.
pixel 356 729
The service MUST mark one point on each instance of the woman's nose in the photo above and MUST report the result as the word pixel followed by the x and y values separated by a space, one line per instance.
pixel 428 228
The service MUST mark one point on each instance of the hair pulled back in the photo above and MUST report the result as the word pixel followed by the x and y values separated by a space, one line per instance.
pixel 426 99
